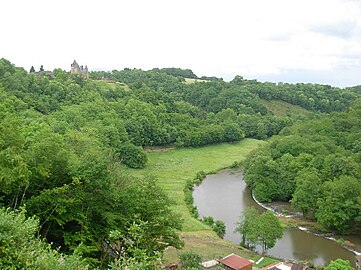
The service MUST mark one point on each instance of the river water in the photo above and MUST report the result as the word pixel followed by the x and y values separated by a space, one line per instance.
pixel 224 196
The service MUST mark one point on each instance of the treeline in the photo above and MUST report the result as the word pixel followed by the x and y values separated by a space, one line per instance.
pixel 316 165
pixel 315 97
pixel 153 109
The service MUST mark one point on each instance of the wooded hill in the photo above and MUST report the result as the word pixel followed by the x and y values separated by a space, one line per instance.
pixel 317 166
pixel 62 139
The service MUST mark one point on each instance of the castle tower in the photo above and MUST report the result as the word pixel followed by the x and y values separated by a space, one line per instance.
pixel 76 69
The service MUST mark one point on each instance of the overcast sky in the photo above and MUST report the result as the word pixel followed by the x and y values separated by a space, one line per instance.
pixel 315 41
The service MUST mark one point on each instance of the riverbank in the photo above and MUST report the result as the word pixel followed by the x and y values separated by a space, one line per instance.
pixel 173 168
pixel 292 219
pixel 224 195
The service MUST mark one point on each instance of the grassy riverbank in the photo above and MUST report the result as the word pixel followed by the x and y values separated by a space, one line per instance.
pixel 173 168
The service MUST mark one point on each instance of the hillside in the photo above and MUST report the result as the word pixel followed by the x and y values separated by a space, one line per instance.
pixel 67 143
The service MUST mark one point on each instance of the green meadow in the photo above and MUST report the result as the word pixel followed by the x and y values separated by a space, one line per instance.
pixel 173 167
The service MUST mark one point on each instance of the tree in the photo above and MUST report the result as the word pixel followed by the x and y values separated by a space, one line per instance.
pixel 41 68
pixel 338 207
pixel 247 223
pixel 32 69
pixel 130 249
pixel 339 264
pixel 20 249
pixel 133 156
pixel 263 229
pixel 269 230
pixel 307 191
pixel 143 200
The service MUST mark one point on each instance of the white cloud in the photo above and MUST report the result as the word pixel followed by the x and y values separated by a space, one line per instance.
pixel 256 39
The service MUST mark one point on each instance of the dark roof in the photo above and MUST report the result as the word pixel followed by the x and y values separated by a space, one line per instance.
pixel 235 262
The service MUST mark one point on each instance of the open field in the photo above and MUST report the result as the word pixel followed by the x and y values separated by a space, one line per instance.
pixel 281 108
pixel 173 168
pixel 111 84
pixel 190 81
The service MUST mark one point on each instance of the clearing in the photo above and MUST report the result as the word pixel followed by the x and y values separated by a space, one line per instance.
pixel 281 108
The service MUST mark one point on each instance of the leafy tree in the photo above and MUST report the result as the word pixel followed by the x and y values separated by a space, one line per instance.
pixel 32 69
pixel 20 249
pixel 133 156
pixel 339 205
pixel 339 264
pixel 41 68
pixel 269 229
pixel 247 223
pixel 129 248
pixel 263 229
pixel 308 185
pixel 143 200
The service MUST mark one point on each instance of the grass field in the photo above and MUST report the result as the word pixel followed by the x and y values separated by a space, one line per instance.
pixel 281 108
pixel 111 84
pixel 190 81
pixel 173 168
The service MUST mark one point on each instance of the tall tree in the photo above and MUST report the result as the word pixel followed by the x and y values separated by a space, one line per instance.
pixel 308 185
pixel 263 229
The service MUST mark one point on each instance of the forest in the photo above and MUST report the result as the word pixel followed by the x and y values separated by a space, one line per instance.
pixel 316 165
pixel 65 142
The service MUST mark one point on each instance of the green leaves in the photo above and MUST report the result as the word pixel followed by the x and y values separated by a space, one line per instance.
pixel 339 204
pixel 263 229
pixel 20 249
pixel 133 156
pixel 339 264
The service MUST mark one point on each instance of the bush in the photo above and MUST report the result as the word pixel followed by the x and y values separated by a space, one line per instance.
pixel 219 227
pixel 190 260
pixel 133 156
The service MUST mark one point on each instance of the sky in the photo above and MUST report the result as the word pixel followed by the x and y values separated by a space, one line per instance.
pixel 317 41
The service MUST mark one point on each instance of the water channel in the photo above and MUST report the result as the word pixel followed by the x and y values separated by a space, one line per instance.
pixel 224 196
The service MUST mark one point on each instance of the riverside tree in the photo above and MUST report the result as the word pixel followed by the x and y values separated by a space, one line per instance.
pixel 259 229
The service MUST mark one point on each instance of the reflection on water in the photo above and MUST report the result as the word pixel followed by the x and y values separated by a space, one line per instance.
pixel 224 196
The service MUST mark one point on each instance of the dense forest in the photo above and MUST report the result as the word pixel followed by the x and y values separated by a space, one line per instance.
pixel 317 166
pixel 64 142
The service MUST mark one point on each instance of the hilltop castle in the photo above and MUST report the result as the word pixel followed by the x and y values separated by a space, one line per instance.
pixel 76 69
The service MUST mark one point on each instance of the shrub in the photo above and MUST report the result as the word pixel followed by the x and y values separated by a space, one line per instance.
pixel 190 260
pixel 133 156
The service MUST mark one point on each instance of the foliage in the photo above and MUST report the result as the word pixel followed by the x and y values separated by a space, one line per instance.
pixel 263 229
pixel 316 165
pixel 339 264
pixel 129 249
pixel 20 249
pixel 133 156
pixel 62 137
pixel 217 225
pixel 190 260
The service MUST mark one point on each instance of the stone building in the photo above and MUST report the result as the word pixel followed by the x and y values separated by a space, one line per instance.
pixel 76 69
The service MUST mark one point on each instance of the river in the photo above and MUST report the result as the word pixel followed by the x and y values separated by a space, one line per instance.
pixel 224 196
